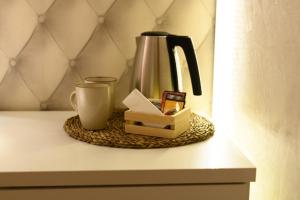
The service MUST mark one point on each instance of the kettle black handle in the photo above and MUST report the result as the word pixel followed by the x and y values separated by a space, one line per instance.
pixel 186 44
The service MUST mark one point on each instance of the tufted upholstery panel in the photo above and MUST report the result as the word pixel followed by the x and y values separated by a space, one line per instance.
pixel 48 45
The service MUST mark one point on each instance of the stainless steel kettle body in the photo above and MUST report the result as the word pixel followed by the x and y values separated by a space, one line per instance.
pixel 156 68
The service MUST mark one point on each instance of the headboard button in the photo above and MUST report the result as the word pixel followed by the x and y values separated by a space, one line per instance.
pixel 72 63
pixel 12 62
pixel 159 21
pixel 129 62
pixel 41 18
pixel 101 19
pixel 43 105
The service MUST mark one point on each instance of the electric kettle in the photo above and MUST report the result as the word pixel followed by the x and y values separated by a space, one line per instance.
pixel 156 65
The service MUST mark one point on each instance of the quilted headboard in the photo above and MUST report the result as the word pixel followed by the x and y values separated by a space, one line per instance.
pixel 48 45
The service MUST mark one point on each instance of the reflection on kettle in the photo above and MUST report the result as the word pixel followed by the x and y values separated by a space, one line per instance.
pixel 156 68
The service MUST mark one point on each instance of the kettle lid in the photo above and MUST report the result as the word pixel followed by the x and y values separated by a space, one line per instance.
pixel 155 33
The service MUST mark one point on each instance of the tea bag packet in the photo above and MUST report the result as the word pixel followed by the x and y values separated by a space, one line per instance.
pixel 172 102
pixel 137 102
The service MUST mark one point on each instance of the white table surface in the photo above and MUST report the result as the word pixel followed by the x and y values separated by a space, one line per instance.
pixel 35 151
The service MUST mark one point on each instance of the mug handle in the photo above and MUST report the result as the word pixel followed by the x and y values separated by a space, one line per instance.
pixel 73 100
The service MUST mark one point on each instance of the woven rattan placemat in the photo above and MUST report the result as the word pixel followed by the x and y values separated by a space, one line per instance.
pixel 115 136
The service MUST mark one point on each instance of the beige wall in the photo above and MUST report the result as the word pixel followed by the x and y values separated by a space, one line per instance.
pixel 48 45
pixel 257 90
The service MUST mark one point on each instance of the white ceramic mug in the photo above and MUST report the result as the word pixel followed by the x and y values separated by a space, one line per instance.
pixel 111 81
pixel 92 101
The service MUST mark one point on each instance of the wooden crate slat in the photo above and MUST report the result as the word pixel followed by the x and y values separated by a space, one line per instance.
pixel 179 123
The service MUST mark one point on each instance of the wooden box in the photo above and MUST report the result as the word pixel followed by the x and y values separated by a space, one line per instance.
pixel 171 126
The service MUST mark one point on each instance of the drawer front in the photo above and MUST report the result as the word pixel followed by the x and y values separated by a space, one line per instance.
pixel 162 192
